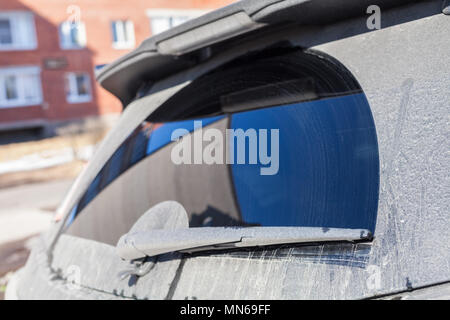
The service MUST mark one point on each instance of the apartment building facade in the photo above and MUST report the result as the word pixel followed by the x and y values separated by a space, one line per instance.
pixel 49 50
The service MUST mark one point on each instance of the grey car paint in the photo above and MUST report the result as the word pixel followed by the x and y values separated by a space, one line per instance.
pixel 404 71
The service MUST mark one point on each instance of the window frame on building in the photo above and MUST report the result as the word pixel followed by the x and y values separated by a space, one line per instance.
pixel 24 77
pixel 72 90
pixel 22 29
pixel 66 40
pixel 123 38
pixel 171 16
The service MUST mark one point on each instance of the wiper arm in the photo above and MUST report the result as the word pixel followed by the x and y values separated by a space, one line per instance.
pixel 159 241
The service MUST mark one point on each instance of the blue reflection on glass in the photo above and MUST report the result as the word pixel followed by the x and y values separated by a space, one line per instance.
pixel 135 148
pixel 161 136
pixel 328 166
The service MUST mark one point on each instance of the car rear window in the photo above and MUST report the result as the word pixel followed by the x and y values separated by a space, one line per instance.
pixel 303 113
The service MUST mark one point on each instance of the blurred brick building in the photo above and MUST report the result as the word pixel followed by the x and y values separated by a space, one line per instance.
pixel 49 50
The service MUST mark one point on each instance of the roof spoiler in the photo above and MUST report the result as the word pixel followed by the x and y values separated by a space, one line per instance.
pixel 171 51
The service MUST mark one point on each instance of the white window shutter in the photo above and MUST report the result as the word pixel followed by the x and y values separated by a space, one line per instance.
pixel 30 83
pixel 14 20
pixel 23 30
pixel 177 20
pixel 160 24
pixel 82 41
pixel 130 32
pixel 29 35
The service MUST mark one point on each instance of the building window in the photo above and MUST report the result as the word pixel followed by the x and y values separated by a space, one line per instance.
pixel 123 34
pixel 72 35
pixel 20 86
pixel 164 19
pixel 17 31
pixel 160 24
pixel 78 87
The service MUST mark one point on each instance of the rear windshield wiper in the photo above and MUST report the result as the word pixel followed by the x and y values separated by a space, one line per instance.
pixel 159 241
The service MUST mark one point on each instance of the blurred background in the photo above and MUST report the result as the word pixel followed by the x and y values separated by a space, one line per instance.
pixel 52 112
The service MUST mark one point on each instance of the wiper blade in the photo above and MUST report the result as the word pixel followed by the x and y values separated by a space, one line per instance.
pixel 159 241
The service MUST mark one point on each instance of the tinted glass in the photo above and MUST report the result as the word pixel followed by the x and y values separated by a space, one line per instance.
pixel 328 166
pixel 323 171
pixel 11 87
pixel 5 31
pixel 82 84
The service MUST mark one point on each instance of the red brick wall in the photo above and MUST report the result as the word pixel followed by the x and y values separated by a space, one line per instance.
pixel 97 16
